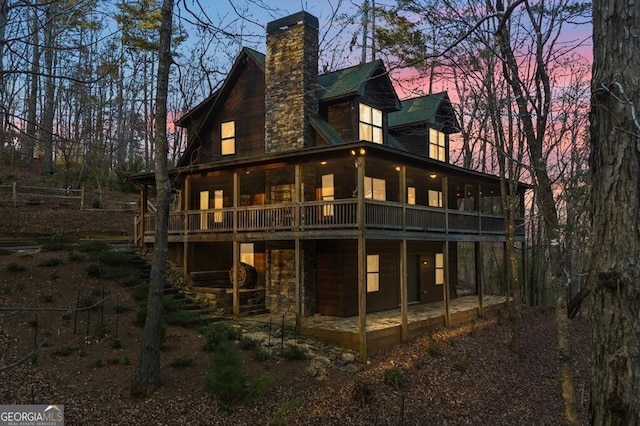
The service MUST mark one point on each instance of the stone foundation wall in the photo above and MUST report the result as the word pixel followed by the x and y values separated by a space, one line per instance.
pixel 281 278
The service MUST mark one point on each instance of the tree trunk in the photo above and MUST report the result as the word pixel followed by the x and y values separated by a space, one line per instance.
pixel 32 106
pixel 615 194
pixel 148 371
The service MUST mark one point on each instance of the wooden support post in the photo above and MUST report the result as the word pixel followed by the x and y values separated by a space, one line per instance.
pixel 185 228
pixel 362 262
pixel 143 213
pixel 82 198
pixel 525 282
pixel 447 295
pixel 298 252
pixel 298 255
pixel 404 304
pixel 234 273
pixel 479 284
pixel 505 279
pixel 236 245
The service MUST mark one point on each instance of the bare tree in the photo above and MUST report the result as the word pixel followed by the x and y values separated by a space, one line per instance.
pixel 148 371
pixel 615 195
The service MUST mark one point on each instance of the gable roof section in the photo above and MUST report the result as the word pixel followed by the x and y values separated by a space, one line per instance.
pixel 434 109
pixel 351 81
pixel 208 107
pixel 327 132
pixel 203 106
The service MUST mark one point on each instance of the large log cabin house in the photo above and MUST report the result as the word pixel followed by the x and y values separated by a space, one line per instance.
pixel 339 195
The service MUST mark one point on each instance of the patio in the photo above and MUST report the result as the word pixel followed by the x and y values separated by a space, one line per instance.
pixel 384 329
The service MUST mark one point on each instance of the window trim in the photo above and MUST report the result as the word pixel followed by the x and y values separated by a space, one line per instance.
pixel 373 275
pixel 370 124
pixel 438 269
pixel 228 141
pixel 437 145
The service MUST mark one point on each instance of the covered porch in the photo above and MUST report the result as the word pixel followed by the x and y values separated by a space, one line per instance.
pixel 385 328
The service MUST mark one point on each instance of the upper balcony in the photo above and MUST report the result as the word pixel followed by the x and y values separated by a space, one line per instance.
pixel 328 215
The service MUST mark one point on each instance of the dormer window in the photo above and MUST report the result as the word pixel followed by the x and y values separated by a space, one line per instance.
pixel 370 124
pixel 437 146
pixel 228 138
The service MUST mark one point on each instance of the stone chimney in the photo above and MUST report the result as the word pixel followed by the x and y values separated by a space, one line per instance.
pixel 291 82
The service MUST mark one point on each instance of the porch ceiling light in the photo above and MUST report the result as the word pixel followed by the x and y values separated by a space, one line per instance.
pixel 323 163
pixel 433 175
pixel 362 151
pixel 397 168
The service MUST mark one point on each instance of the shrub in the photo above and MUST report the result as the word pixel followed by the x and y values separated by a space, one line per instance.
pixel 183 318
pixel 279 416
pixel 116 344
pixel 141 292
pixel 98 363
pixel 55 246
pixel 292 352
pixel 76 257
pixel 261 385
pixel 50 263
pixel 218 333
pixel 141 315
pixel 113 361
pixel 394 377
pixel 66 316
pixel 181 362
pixel 46 298
pixel 248 343
pixel 115 258
pixel 65 351
pixel 15 267
pixel 98 331
pixel 226 376
pixel 94 246
pixel 94 270
pixel 260 354
pixel 125 360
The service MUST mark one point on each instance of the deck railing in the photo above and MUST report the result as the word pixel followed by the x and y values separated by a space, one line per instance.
pixel 330 214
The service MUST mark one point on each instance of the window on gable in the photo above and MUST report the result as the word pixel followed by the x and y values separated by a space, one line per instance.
pixel 437 147
pixel 373 273
pixel 228 138
pixel 370 124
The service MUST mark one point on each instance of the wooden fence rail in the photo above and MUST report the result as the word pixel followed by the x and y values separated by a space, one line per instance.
pixel 40 195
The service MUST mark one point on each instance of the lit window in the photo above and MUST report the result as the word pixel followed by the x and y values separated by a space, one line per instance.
pixel 228 138
pixel 327 194
pixel 411 195
pixel 437 145
pixel 373 272
pixel 246 254
pixel 217 205
pixel 375 188
pixel 204 206
pixel 370 124
pixel 439 268
pixel 435 198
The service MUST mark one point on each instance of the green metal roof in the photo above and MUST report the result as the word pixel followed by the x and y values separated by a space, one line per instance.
pixel 417 110
pixel 346 81
pixel 327 132
pixel 259 58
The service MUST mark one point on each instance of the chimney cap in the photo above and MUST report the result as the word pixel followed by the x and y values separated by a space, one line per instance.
pixel 285 23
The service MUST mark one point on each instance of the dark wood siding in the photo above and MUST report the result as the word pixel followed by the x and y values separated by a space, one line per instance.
pixel 388 297
pixel 244 104
pixel 342 118
pixel 337 277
